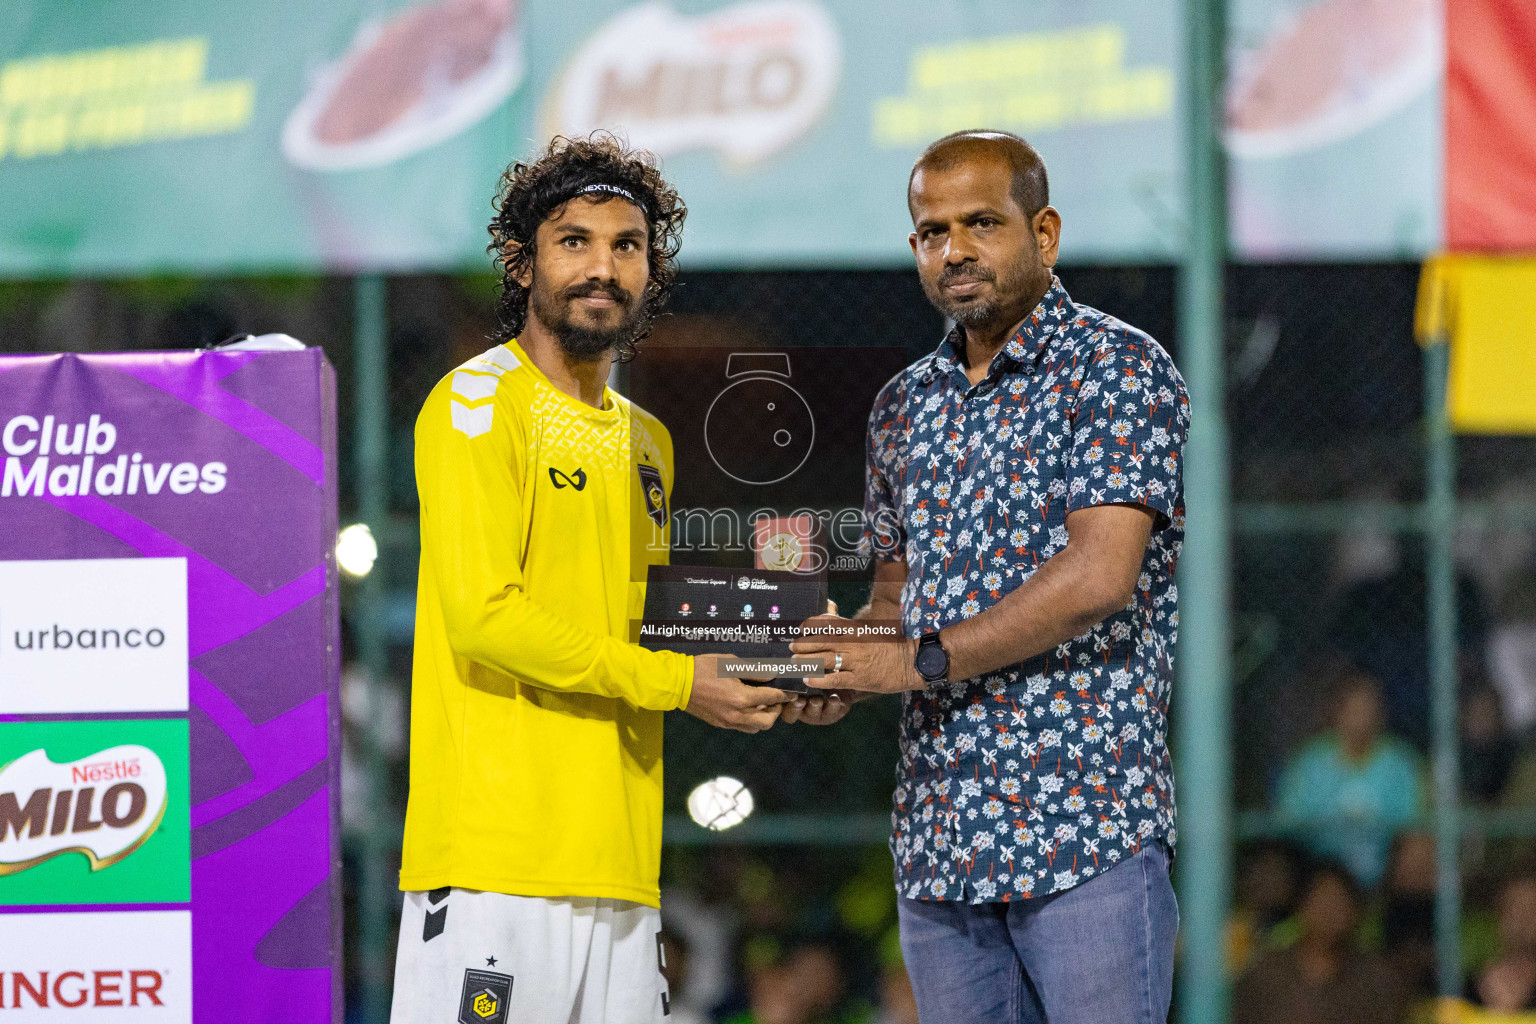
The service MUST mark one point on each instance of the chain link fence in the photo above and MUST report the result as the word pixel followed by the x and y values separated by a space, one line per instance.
pixel 1327 424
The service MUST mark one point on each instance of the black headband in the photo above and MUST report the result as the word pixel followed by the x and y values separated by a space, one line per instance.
pixel 613 190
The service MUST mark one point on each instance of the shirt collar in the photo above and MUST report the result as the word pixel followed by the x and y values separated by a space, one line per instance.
pixel 1024 348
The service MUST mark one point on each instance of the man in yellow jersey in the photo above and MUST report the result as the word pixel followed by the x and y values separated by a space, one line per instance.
pixel 533 831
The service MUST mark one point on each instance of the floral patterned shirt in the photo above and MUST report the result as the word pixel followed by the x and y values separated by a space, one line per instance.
pixel 1034 778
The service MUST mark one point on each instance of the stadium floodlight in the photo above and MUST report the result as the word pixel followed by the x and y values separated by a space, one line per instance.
pixel 356 550
pixel 720 803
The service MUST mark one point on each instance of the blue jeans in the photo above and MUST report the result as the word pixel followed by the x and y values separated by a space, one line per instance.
pixel 1100 953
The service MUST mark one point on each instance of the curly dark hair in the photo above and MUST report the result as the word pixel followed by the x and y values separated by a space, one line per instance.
pixel 530 192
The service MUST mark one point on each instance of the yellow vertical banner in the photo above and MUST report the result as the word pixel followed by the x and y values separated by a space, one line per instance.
pixel 1485 307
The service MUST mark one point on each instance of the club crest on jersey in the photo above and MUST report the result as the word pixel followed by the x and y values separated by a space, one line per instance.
pixel 577 479
pixel 655 494
pixel 485 998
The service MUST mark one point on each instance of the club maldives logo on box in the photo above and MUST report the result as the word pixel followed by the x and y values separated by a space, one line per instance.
pixel 63 460
pixel 94 812
pixel 104 805
pixel 93 635
pixel 123 965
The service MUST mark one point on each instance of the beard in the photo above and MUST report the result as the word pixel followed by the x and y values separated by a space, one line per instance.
pixel 1014 281
pixel 581 341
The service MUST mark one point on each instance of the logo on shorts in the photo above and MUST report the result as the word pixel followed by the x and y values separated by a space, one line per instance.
pixel 655 493
pixel 485 998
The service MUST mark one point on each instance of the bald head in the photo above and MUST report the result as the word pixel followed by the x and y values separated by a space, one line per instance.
pixel 1030 189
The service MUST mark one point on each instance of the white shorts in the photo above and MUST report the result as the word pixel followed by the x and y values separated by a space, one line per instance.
pixel 469 957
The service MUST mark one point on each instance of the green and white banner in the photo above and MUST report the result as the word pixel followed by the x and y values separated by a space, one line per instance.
pixel 1334 139
pixel 287 135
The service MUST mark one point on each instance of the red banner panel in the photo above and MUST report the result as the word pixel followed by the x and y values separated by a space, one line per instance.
pixel 1490 125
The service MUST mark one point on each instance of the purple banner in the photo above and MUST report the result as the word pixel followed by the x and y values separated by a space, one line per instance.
pixel 169 672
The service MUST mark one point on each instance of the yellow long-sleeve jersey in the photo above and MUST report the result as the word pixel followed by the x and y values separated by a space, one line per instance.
pixel 535 724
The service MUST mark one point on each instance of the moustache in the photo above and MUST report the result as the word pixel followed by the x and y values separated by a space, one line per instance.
pixel 582 291
pixel 964 274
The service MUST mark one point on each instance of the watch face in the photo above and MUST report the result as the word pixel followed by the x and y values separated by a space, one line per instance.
pixel 931 661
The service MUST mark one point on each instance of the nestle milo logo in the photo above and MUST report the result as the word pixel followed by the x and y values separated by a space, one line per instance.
pixel 104 806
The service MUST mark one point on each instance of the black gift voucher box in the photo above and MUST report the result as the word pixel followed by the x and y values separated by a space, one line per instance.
pixel 707 610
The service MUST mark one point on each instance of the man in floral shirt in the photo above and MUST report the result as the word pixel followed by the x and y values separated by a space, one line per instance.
pixel 1025 507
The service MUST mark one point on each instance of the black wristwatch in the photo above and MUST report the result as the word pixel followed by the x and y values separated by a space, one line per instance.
pixel 932 661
